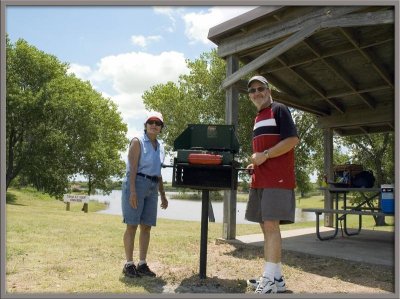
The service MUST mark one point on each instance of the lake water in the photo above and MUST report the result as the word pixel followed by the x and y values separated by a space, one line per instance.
pixel 187 209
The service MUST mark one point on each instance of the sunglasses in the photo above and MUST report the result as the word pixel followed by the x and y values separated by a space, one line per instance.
pixel 259 89
pixel 156 122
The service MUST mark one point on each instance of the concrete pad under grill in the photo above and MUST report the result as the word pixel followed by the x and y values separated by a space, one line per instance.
pixel 370 246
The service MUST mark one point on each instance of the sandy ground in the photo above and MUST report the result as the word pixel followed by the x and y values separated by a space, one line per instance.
pixel 228 268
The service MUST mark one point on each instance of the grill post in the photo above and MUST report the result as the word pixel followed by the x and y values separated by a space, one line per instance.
pixel 205 197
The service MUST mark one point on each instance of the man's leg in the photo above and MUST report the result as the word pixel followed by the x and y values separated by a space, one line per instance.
pixel 272 256
pixel 272 241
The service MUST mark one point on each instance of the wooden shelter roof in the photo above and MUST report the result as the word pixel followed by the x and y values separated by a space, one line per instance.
pixel 336 62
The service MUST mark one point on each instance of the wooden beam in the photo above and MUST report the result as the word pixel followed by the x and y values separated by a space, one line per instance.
pixel 282 86
pixel 318 89
pixel 340 94
pixel 340 73
pixel 231 117
pixel 231 94
pixel 240 22
pixel 356 117
pixel 368 56
pixel 263 36
pixel 328 169
pixel 327 54
pixel 269 55
pixel 380 68
pixel 298 104
pixel 361 19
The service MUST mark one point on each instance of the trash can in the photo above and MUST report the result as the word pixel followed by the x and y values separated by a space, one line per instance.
pixel 387 198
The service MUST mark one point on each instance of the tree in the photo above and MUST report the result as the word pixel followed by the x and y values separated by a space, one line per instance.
pixel 28 70
pixel 309 149
pixel 57 125
pixel 101 160
pixel 376 153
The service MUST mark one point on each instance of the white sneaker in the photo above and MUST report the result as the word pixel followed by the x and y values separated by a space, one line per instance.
pixel 253 283
pixel 280 285
pixel 266 286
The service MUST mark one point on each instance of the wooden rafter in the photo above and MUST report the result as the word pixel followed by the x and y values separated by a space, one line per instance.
pixel 332 53
pixel 340 73
pixel 336 94
pixel 368 55
pixel 312 84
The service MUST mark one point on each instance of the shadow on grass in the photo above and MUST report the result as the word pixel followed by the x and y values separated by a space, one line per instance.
pixel 195 284
pixel 150 284
pixel 11 199
pixel 246 252
pixel 215 285
pixel 364 274
pixel 360 273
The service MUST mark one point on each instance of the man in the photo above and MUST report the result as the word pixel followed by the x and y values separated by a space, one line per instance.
pixel 271 197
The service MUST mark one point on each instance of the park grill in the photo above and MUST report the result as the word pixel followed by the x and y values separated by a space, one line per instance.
pixel 205 157
pixel 205 161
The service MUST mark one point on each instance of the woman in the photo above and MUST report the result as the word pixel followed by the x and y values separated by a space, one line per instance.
pixel 139 193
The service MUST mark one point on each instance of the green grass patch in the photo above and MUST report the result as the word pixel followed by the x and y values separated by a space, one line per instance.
pixel 51 250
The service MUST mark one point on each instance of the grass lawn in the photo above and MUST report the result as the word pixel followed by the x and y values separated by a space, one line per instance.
pixel 51 250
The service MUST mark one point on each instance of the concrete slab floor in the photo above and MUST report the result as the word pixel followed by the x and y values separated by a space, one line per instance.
pixel 371 246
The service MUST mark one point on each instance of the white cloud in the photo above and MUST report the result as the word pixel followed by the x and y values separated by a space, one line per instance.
pixel 170 12
pixel 137 71
pixel 197 25
pixel 143 41
pixel 130 74
pixel 81 71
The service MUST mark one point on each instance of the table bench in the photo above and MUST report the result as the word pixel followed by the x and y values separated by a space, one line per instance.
pixel 343 214
pixel 359 210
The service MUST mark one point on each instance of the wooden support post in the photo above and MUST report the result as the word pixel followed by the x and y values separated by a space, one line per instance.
pixel 67 207
pixel 231 118
pixel 328 169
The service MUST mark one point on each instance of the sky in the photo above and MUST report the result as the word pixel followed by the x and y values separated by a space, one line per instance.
pixel 122 51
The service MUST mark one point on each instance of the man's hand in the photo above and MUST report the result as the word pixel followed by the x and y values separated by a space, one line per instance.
pixel 258 158
pixel 250 169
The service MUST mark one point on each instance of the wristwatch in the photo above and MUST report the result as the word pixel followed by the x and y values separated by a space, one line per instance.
pixel 266 153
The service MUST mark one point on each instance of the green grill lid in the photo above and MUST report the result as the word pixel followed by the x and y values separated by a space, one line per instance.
pixel 208 137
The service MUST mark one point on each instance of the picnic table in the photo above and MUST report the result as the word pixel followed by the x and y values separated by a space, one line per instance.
pixel 365 208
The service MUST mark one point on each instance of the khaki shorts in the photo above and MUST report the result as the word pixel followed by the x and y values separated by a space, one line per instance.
pixel 271 204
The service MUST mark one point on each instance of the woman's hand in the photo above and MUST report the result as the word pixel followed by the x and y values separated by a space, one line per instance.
pixel 164 202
